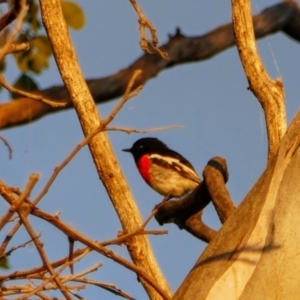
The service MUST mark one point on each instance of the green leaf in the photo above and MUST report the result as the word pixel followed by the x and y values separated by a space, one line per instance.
pixel 40 53
pixel 32 16
pixel 73 14
pixel 42 43
pixel 22 60
pixel 24 83
pixel 37 57
pixel 4 263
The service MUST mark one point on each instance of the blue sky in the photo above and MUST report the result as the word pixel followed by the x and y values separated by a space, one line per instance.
pixel 210 98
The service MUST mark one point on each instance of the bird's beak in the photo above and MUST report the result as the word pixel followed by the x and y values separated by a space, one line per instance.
pixel 126 150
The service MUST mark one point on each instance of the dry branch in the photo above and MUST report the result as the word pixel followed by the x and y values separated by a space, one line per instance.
pixel 100 148
pixel 145 24
pixel 11 15
pixel 18 12
pixel 284 17
pixel 12 89
pixel 6 143
pixel 186 212
pixel 258 244
pixel 128 95
pixel 268 92
pixel 215 175
pixel 76 236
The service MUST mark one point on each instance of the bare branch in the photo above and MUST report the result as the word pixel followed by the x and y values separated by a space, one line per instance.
pixel 109 287
pixel 128 95
pixel 8 253
pixel 6 143
pixel 141 230
pixel 145 24
pixel 13 48
pixel 133 130
pixel 17 204
pixel 39 247
pixel 215 175
pixel 181 49
pixel 20 14
pixel 12 89
pixel 11 15
pixel 186 212
pixel 54 275
pixel 76 235
pixel 269 93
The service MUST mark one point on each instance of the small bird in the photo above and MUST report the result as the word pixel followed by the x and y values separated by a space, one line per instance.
pixel 164 170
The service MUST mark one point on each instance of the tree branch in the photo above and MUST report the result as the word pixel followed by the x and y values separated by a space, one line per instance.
pixel 100 148
pixel 269 93
pixel 186 212
pixel 284 17
pixel 18 12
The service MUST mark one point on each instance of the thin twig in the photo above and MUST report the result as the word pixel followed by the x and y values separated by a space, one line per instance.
pixel 43 296
pixel 21 14
pixel 76 235
pixel 15 206
pixel 39 247
pixel 8 253
pixel 109 287
pixel 125 237
pixel 6 143
pixel 133 130
pixel 144 24
pixel 12 89
pixel 269 92
pixel 54 275
pixel 94 268
pixel 11 15
pixel 14 48
pixel 8 237
pixel 128 95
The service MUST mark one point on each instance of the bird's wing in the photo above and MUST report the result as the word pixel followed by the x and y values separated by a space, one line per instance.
pixel 179 163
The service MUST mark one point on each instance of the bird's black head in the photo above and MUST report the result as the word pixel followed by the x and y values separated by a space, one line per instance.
pixel 145 145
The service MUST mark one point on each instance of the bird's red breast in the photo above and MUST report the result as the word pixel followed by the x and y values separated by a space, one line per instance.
pixel 143 165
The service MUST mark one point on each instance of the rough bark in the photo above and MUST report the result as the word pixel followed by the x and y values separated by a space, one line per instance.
pixel 255 254
pixel 269 92
pixel 283 17
pixel 104 159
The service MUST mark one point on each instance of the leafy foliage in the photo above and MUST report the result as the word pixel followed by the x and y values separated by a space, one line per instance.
pixel 4 264
pixel 25 83
pixel 36 59
pixel 73 14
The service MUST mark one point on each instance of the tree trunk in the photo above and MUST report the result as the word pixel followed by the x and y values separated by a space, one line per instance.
pixel 255 254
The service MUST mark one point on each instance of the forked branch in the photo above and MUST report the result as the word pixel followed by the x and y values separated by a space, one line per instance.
pixel 269 92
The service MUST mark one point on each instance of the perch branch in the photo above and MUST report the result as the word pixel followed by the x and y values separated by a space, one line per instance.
pixel 215 176
pixel 186 212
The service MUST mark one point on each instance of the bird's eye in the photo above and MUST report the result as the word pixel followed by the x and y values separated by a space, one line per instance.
pixel 141 146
